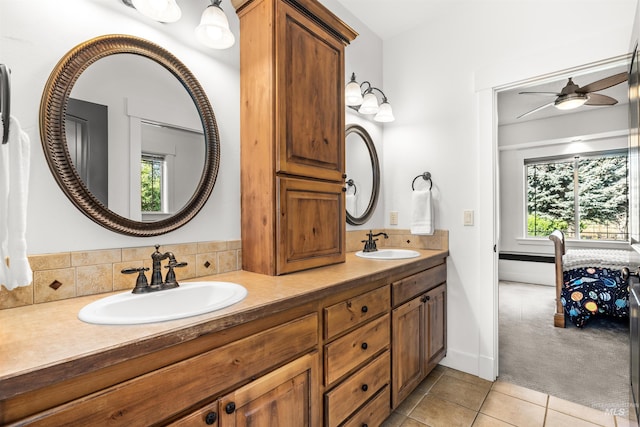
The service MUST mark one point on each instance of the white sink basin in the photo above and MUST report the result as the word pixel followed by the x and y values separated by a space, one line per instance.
pixel 190 299
pixel 389 254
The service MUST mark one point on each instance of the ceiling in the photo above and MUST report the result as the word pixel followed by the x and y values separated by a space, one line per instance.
pixel 387 21
pixel 376 15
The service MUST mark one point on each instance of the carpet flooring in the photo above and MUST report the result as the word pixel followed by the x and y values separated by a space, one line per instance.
pixel 589 366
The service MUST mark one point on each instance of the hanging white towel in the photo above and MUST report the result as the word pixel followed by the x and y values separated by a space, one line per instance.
pixel 422 221
pixel 352 204
pixel 19 271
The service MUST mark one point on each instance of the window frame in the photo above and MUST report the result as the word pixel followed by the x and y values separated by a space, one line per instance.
pixel 575 158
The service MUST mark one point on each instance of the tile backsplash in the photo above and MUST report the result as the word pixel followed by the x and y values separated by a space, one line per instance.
pixel 73 274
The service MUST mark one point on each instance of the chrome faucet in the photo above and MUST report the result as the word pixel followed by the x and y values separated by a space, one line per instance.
pixel 370 243
pixel 142 286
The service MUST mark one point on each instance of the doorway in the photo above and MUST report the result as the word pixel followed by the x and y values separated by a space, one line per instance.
pixel 525 276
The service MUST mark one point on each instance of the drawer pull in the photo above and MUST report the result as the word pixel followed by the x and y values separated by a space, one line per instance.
pixel 365 309
pixel 230 408
pixel 211 418
pixel 364 387
pixel 425 298
pixel 364 346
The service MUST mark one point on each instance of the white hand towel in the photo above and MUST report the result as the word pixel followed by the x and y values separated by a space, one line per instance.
pixel 4 208
pixel 422 221
pixel 352 204
pixel 20 273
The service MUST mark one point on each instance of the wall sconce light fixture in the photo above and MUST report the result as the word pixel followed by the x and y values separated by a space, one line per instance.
pixel 213 30
pixel 366 102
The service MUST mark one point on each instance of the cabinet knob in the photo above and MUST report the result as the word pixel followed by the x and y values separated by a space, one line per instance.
pixel 425 298
pixel 365 309
pixel 211 418
pixel 364 346
pixel 230 408
pixel 364 387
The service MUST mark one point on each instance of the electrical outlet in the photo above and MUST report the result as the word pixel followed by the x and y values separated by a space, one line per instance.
pixel 393 218
pixel 468 217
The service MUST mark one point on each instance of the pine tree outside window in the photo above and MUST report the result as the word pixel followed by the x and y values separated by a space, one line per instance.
pixel 151 183
pixel 585 196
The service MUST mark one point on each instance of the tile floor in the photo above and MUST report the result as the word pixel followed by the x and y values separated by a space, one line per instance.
pixel 452 398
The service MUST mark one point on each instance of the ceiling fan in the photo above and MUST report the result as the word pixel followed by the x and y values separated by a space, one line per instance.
pixel 573 96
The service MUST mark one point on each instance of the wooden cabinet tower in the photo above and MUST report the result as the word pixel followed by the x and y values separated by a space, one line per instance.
pixel 292 135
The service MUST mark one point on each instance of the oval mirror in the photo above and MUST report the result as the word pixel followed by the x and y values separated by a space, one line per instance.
pixel 129 135
pixel 363 175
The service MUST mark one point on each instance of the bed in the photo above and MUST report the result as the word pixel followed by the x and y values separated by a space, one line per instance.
pixel 590 282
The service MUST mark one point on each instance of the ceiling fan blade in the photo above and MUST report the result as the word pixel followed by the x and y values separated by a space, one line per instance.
pixel 599 99
pixel 605 83
pixel 535 110
pixel 539 93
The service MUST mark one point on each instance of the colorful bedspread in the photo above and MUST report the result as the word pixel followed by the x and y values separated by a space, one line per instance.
pixel 591 291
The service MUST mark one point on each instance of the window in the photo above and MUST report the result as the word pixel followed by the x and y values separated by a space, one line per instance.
pixel 152 169
pixel 585 196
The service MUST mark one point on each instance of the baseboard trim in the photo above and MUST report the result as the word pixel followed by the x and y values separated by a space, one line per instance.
pixel 461 361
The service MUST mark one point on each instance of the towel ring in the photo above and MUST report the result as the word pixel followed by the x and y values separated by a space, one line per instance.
pixel 5 101
pixel 350 183
pixel 426 176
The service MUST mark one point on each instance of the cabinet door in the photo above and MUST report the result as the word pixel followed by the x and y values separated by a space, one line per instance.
pixel 437 332
pixel 286 397
pixel 408 348
pixel 311 222
pixel 310 97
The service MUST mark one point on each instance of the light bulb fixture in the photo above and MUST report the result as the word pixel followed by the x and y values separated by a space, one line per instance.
pixel 366 102
pixel 158 10
pixel 213 30
pixel 571 101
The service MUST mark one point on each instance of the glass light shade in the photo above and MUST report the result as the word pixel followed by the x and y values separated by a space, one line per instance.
pixel 385 114
pixel 158 10
pixel 369 104
pixel 352 94
pixel 213 30
pixel 571 101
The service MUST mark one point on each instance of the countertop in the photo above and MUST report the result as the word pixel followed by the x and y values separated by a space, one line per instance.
pixel 50 338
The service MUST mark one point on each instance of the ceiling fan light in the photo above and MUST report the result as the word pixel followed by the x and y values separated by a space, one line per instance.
pixel 571 101
pixel 213 30
pixel 369 104
pixel 385 113
pixel 158 10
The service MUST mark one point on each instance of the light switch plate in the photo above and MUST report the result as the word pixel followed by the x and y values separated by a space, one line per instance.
pixel 393 218
pixel 468 217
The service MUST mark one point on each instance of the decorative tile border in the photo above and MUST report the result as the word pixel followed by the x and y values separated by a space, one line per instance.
pixel 72 274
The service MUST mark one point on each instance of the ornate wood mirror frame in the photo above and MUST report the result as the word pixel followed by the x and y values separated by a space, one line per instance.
pixel 52 132
pixel 375 171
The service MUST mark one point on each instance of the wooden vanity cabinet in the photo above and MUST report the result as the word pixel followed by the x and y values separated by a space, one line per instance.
pixel 292 128
pixel 418 329
pixel 268 369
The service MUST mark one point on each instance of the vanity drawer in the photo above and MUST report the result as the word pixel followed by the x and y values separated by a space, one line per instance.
pixel 351 350
pixel 407 288
pixel 357 389
pixel 373 413
pixel 354 311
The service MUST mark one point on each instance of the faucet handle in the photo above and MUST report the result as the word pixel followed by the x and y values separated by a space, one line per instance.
pixel 141 282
